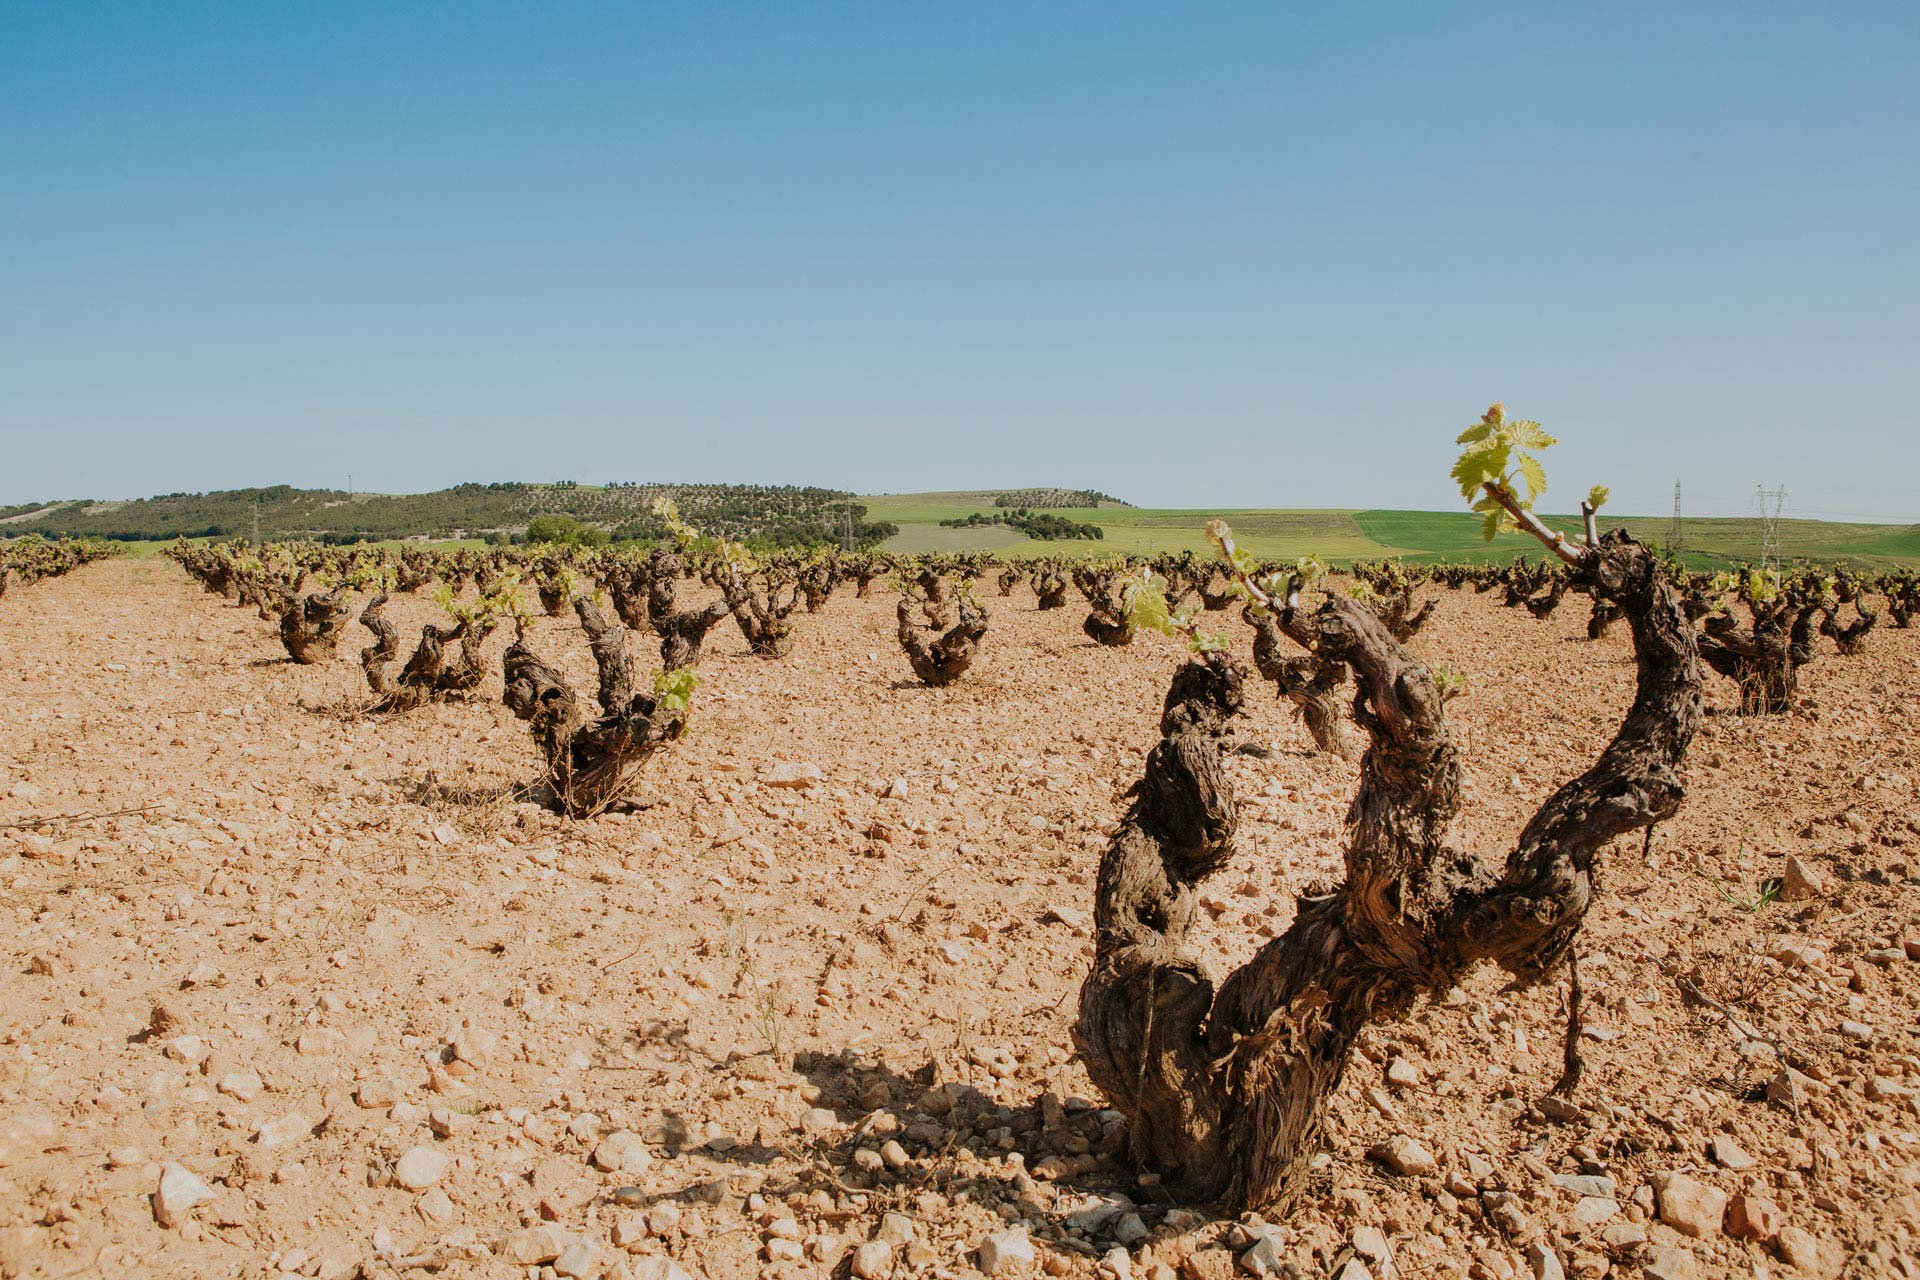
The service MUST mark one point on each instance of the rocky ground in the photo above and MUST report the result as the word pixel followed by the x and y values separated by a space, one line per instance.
pixel 291 990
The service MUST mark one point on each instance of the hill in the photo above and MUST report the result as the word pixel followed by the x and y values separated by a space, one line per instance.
pixel 1343 536
pixel 791 515
pixel 785 515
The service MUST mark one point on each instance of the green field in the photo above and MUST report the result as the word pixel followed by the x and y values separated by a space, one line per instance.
pixel 1344 536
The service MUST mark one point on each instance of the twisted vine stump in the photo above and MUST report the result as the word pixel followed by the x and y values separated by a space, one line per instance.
pixel 1600 621
pixel 433 673
pixel 590 765
pixel 377 658
pixel 865 572
pixel 817 583
pixel 1050 588
pixel 1542 605
pixel 942 661
pixel 1851 638
pixel 1008 579
pixel 1309 681
pixel 681 631
pixel 1214 599
pixel 1108 623
pixel 1226 1092
pixel 1903 599
pixel 310 627
pixel 762 614
pixel 627 584
pixel 1765 657
pixel 1402 620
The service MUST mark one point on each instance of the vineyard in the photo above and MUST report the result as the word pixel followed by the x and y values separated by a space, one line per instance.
pixel 731 901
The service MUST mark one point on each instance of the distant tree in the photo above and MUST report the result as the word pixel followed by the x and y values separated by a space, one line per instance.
pixel 565 531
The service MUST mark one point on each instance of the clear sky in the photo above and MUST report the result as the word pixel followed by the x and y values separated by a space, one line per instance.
pixel 1257 254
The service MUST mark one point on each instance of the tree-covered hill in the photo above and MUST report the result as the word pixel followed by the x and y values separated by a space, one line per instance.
pixel 786 515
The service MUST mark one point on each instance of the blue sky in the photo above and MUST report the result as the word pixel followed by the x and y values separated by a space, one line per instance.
pixel 1204 255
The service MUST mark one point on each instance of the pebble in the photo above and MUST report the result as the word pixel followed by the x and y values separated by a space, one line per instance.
pixel 533 1246
pixel 1594 1210
pixel 622 1151
pixel 1006 1252
pixel 1405 1156
pixel 578 1261
pixel 244 1085
pixel 1690 1206
pixel 282 1130
pixel 1263 1257
pixel 1402 1074
pixel 1545 1262
pixel 1801 882
pixel 1667 1263
pixel 1753 1218
pixel 872 1260
pixel 1370 1243
pixel 793 777
pixel 420 1168
pixel 179 1191
pixel 1586 1184
pixel 657 1268
pixel 1729 1154
pixel 1787 1089
pixel 191 1050
pixel 1798 1249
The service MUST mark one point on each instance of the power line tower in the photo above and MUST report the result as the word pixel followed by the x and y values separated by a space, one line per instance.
pixel 1771 503
pixel 1675 529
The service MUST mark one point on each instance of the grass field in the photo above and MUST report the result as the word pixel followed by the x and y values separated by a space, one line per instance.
pixel 1344 536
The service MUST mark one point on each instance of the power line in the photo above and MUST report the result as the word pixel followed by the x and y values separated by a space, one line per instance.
pixel 1771 503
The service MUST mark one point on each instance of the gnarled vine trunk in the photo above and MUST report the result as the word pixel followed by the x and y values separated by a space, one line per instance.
pixel 1108 623
pixel 1849 638
pixel 762 613
pixel 682 632
pixel 310 627
pixel 1050 588
pixel 590 765
pixel 943 660
pixel 1226 1092
pixel 1309 681
pixel 433 673
pixel 1765 657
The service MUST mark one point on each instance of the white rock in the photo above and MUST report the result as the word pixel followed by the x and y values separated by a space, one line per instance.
pixel 1690 1206
pixel 283 1130
pixel 179 1191
pixel 1006 1252
pixel 578 1261
pixel 1405 1156
pixel 873 1260
pixel 533 1246
pixel 420 1168
pixel 656 1268
pixel 622 1151
pixel 792 776
pixel 191 1050
pixel 244 1085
